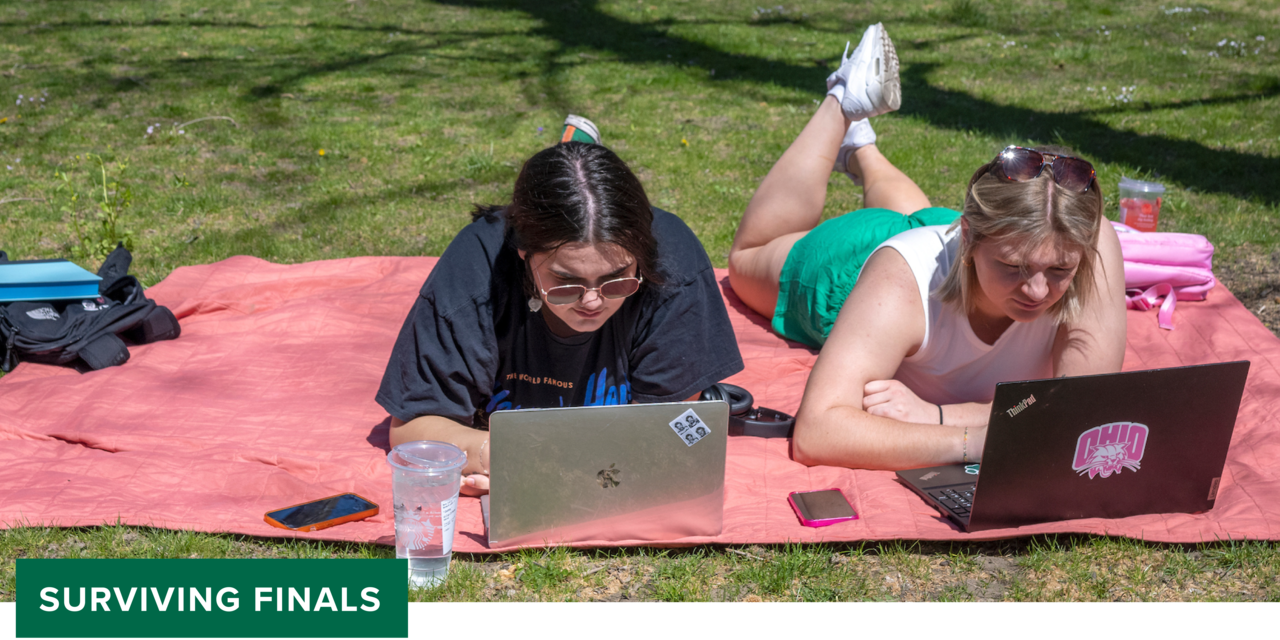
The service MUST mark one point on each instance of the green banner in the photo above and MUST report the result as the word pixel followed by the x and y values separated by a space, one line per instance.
pixel 212 598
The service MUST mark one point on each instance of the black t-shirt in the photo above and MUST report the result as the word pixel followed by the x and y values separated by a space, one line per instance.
pixel 470 345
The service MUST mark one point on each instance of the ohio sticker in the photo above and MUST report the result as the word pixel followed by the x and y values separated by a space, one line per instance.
pixel 689 427
pixel 1110 448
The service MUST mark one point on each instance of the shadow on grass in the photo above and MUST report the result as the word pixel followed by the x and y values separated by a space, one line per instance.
pixel 1187 162
pixel 582 25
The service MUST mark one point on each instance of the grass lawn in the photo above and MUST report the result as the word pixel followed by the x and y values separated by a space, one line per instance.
pixel 306 130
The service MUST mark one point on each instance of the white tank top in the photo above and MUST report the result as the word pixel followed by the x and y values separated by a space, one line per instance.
pixel 953 365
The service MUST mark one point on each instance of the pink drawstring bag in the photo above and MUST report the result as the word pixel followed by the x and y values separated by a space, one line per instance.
pixel 1173 266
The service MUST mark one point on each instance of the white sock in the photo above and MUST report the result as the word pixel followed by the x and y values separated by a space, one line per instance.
pixel 837 91
pixel 860 134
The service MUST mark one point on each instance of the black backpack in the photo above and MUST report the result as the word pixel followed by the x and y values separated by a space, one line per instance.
pixel 86 333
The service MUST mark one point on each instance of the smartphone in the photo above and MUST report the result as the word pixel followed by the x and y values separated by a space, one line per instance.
pixel 323 513
pixel 821 508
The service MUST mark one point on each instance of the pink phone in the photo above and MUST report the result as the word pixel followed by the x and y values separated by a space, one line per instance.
pixel 821 508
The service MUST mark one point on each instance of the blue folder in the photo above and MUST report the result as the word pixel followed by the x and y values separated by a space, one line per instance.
pixel 45 280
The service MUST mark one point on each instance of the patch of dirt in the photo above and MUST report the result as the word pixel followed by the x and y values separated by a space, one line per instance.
pixel 1253 275
pixel 996 566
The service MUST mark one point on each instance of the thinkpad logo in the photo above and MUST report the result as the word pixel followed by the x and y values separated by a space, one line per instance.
pixel 43 313
pixel 1028 401
pixel 929 476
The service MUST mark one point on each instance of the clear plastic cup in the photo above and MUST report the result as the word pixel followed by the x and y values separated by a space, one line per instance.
pixel 1140 203
pixel 426 476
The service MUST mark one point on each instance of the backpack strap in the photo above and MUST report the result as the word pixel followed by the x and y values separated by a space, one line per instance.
pixel 158 324
pixel 116 266
pixel 1148 299
pixel 107 350
pixel 8 335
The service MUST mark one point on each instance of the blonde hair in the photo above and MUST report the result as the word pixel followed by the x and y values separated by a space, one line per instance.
pixel 1035 212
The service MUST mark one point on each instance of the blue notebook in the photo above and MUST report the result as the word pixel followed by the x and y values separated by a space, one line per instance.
pixel 45 280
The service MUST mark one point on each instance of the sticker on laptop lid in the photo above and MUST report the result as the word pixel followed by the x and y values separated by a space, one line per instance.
pixel 1110 448
pixel 689 427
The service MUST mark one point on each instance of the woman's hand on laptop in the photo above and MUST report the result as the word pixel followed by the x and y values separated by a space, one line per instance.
pixel 476 484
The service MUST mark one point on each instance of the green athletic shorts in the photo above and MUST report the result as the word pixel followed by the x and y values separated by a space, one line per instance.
pixel 823 266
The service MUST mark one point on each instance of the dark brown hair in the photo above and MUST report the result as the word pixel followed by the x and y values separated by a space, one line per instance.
pixel 579 192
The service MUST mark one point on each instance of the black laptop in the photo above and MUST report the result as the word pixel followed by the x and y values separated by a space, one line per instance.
pixel 1102 446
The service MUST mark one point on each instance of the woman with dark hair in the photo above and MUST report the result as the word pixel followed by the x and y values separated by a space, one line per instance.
pixel 918 310
pixel 576 293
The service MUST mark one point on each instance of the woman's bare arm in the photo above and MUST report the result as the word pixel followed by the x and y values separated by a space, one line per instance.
pixel 1095 343
pixel 882 322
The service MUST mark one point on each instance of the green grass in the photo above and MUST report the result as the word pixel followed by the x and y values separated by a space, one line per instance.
pixel 1054 568
pixel 423 108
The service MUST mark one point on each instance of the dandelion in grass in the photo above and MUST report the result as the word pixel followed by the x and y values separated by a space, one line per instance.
pixel 684 142
pixel 320 151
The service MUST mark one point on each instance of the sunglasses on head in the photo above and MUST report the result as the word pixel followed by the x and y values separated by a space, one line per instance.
pixel 571 293
pixel 1020 165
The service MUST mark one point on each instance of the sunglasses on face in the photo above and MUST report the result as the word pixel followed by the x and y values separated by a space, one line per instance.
pixel 571 293
pixel 1020 165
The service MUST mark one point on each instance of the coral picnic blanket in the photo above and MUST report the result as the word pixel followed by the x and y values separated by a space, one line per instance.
pixel 267 400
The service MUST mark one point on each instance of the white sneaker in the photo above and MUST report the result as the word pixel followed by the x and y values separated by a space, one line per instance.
pixel 867 82
pixel 860 134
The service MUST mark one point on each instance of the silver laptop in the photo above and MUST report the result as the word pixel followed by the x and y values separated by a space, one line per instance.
pixel 636 472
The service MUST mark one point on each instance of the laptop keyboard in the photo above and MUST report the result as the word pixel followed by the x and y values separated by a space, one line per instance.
pixel 957 500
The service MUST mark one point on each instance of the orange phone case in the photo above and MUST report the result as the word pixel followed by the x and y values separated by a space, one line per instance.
pixel 325 524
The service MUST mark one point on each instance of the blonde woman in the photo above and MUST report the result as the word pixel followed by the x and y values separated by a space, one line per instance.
pixel 919 311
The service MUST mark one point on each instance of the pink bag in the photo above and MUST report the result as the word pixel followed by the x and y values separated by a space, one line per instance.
pixel 1173 266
